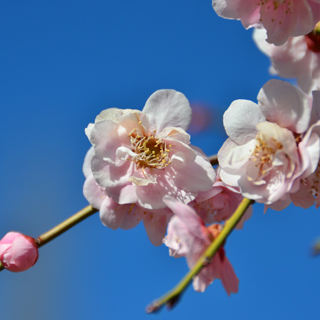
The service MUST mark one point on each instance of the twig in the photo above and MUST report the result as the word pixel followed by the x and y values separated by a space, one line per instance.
pixel 171 297
pixel 63 227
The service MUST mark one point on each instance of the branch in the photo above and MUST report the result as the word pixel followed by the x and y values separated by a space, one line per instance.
pixel 78 217
pixel 171 298
pixel 63 227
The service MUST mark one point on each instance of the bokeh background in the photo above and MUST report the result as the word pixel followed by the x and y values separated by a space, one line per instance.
pixel 61 63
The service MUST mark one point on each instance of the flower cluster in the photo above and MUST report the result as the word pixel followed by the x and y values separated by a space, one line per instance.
pixel 142 167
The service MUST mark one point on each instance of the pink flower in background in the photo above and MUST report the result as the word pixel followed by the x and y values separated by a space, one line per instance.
pixel 18 252
pixel 298 57
pixel 188 237
pixel 281 19
pixel 139 157
pixel 269 148
pixel 219 203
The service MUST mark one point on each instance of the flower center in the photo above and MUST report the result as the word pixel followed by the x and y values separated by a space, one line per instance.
pixel 149 150
pixel 263 155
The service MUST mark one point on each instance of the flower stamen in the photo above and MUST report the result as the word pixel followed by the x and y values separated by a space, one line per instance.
pixel 149 150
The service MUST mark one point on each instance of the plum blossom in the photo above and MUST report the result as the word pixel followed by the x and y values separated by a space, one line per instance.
pixel 18 252
pixel 272 145
pixel 219 203
pixel 188 237
pixel 281 19
pixel 124 216
pixel 140 156
pixel 298 57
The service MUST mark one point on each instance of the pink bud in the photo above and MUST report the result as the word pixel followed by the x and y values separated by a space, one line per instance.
pixel 18 252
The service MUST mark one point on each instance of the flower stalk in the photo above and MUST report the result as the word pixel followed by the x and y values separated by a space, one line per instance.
pixel 171 298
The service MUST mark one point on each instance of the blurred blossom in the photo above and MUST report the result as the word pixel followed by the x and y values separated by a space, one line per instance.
pixel 202 118
pixel 188 237
pixel 18 252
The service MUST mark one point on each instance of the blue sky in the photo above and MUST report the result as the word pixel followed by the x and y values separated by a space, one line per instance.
pixel 61 63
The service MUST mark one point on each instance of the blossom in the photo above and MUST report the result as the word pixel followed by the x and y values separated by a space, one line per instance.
pixel 187 236
pixel 138 157
pixel 281 19
pixel 18 252
pixel 219 203
pixel 298 57
pixel 124 216
pixel 272 144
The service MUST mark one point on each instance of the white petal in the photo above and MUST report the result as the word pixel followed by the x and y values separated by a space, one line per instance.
pixel 168 108
pixel 285 105
pixel 240 120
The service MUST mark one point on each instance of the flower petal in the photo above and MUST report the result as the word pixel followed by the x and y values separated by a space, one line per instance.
pixel 284 104
pixel 240 120
pixel 168 108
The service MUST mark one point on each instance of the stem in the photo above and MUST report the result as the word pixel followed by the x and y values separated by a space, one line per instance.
pixel 171 297
pixel 65 225
pixel 76 218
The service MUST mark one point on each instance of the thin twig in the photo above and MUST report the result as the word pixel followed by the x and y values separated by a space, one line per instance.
pixel 78 217
pixel 63 227
pixel 171 298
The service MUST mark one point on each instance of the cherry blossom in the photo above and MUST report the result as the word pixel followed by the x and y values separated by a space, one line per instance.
pixel 298 57
pixel 188 237
pixel 271 146
pixel 281 19
pixel 18 252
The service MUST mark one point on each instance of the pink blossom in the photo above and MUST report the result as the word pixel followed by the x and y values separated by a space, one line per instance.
pixel 139 157
pixel 281 19
pixel 18 252
pixel 298 57
pixel 268 156
pixel 187 236
pixel 219 203
pixel 123 216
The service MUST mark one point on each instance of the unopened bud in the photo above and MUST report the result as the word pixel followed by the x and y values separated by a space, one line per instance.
pixel 18 252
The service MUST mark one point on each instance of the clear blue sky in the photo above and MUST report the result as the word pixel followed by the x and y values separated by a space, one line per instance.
pixel 61 63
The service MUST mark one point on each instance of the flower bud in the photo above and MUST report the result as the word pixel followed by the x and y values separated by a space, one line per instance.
pixel 18 252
